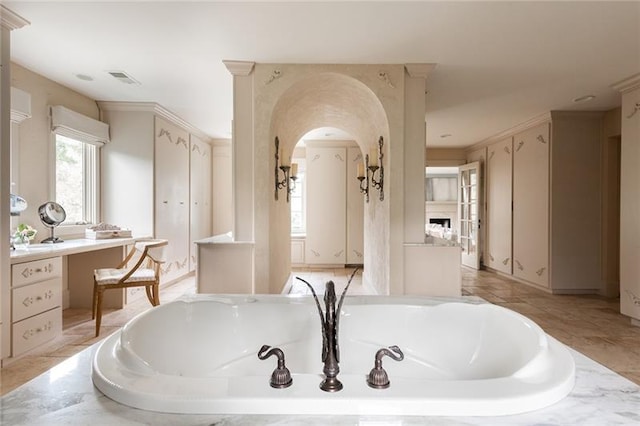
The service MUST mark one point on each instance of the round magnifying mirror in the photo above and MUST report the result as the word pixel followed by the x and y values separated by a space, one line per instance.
pixel 52 214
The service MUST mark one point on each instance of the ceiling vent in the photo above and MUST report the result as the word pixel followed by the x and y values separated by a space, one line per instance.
pixel 123 77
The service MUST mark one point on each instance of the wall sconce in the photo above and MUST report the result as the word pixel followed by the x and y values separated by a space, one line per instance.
pixel 373 164
pixel 290 173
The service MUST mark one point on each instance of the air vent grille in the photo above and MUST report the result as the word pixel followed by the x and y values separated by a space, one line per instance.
pixel 123 77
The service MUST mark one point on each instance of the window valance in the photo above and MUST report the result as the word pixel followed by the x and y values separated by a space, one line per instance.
pixel 74 125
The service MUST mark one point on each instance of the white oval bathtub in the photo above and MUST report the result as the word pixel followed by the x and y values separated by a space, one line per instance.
pixel 199 355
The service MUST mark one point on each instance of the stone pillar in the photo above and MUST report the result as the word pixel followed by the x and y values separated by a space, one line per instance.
pixel 414 151
pixel 242 150
pixel 8 21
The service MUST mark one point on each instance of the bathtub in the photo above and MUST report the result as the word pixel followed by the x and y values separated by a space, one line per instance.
pixel 199 355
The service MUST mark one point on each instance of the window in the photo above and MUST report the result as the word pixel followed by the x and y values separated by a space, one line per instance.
pixel 298 202
pixel 76 179
pixel 75 183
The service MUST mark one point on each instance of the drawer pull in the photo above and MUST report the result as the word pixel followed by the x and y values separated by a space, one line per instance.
pixel 28 301
pixel 33 331
pixel 27 272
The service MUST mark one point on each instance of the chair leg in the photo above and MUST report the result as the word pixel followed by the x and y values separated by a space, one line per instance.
pixel 95 301
pixel 98 310
pixel 150 296
pixel 156 294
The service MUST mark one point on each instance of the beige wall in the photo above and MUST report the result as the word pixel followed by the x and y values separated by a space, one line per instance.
pixel 443 157
pixel 36 144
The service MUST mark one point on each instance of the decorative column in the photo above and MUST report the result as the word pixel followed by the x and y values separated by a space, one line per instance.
pixel 8 21
pixel 414 151
pixel 242 150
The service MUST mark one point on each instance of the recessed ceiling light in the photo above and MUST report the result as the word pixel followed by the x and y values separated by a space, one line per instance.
pixel 445 135
pixel 584 98
pixel 328 134
pixel 84 77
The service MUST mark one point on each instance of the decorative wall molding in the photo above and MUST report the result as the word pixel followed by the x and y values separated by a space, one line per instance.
pixel 20 105
pixel 535 121
pixel 519 265
pixel 540 271
pixel 276 74
pixel 419 70
pixel 635 109
pixel 635 299
pixel 520 145
pixel 540 138
pixel 156 109
pixel 11 20
pixel 385 77
pixel 628 84
pixel 241 68
pixel 507 150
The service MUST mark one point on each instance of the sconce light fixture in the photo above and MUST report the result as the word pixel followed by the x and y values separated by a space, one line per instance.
pixel 290 174
pixel 373 164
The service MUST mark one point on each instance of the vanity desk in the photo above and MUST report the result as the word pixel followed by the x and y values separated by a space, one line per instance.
pixel 47 278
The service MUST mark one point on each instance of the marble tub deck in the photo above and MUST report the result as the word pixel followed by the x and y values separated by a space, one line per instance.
pixel 66 395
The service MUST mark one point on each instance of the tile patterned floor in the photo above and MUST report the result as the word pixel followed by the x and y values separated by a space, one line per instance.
pixel 589 324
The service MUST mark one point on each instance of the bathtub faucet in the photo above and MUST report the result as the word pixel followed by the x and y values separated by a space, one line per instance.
pixel 329 321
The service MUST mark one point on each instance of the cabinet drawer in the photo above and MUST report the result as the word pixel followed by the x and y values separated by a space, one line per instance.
pixel 33 299
pixel 34 331
pixel 38 270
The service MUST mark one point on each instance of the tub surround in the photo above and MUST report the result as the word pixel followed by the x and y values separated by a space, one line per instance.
pixel 66 395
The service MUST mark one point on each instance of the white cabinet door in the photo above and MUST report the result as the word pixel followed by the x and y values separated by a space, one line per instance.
pixel 355 209
pixel 200 185
pixel 499 185
pixel 326 206
pixel 531 205
pixel 172 196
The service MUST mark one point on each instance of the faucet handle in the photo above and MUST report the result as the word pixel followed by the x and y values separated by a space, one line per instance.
pixel 378 378
pixel 281 376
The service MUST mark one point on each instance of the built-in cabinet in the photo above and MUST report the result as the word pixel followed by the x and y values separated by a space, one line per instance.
pixel 543 213
pixel 531 205
pixel 36 303
pixel 326 241
pixel 157 180
pixel 200 186
pixel 499 218
pixel 334 206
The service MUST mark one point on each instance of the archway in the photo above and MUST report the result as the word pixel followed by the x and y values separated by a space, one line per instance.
pixel 334 100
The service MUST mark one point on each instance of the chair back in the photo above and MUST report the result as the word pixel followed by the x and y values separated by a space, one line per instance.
pixel 153 249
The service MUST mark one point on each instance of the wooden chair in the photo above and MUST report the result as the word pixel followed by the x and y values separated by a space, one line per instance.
pixel 145 272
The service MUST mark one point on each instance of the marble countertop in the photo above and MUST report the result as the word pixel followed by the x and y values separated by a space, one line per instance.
pixel 67 247
pixel 66 395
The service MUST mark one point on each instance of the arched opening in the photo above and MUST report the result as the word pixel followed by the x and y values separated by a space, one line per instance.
pixel 327 212
pixel 338 101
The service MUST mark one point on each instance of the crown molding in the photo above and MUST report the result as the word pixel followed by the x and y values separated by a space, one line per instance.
pixel 539 119
pixel 157 109
pixel 628 84
pixel 419 70
pixel 11 20
pixel 241 68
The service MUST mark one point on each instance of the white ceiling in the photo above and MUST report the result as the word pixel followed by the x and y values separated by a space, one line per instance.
pixel 499 63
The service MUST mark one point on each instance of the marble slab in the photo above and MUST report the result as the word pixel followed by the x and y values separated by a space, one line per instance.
pixel 66 395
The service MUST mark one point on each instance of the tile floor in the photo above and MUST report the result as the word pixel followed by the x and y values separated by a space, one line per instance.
pixel 589 324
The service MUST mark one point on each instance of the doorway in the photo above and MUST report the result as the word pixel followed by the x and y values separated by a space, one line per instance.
pixel 327 209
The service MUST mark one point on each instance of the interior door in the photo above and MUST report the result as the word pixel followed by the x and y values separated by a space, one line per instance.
pixel 468 210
